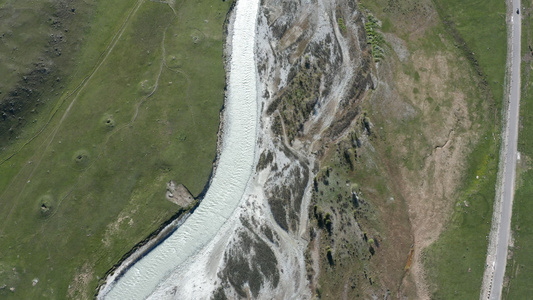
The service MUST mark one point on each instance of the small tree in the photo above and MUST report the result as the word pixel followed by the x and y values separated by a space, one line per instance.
pixel 327 222
pixel 371 246
pixel 329 255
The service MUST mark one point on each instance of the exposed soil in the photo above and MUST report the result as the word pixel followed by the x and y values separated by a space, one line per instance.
pixel 433 145
pixel 79 286
pixel 179 194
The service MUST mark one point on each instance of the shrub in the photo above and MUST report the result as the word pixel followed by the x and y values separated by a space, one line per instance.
pixel 342 26
pixel 329 255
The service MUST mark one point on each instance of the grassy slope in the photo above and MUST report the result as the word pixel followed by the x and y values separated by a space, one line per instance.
pixel 109 198
pixel 463 243
pixel 28 36
pixel 519 268
pixel 481 24
pixel 456 261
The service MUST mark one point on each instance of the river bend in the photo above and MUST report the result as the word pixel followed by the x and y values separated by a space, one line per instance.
pixel 234 169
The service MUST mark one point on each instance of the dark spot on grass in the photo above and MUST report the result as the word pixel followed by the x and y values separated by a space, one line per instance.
pixel 81 158
pixel 46 205
pixel 108 121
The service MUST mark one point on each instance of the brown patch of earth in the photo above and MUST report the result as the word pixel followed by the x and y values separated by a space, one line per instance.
pixel 314 252
pixel 80 284
pixel 114 228
pixel 179 194
pixel 430 147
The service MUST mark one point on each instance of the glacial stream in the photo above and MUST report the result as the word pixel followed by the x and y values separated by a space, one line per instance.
pixel 234 169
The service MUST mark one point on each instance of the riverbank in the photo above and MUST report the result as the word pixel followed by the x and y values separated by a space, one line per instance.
pixel 231 177
pixel 170 226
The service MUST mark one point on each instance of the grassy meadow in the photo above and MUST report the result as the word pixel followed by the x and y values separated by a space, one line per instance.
pixel 481 26
pixel 137 104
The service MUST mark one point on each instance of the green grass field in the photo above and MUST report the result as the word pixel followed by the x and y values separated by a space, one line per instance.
pixel 481 25
pixel 138 106
pixel 519 269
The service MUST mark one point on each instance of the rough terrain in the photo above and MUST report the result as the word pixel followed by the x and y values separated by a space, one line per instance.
pixel 368 114
pixel 362 151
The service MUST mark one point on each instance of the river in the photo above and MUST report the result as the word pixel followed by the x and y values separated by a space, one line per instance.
pixel 235 167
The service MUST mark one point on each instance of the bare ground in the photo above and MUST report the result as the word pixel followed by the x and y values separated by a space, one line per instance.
pixel 431 147
pixel 79 286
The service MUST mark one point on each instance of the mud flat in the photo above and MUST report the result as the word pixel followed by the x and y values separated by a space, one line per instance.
pixel 233 172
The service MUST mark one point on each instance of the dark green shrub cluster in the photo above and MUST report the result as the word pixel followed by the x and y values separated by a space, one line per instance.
pixel 375 38
pixel 329 255
pixel 324 220
pixel 342 26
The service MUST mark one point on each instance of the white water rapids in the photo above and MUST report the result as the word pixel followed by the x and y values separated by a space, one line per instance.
pixel 234 169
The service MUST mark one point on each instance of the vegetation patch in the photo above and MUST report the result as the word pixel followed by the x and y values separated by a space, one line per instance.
pixel 296 103
pixel 285 200
pixel 38 44
pixel 352 236
pixel 374 37
pixel 408 135
pixel 479 30
pixel 219 294
pixel 465 240
pixel 342 26
pixel 265 159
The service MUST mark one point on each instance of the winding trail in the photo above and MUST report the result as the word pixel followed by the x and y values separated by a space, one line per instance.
pixel 234 170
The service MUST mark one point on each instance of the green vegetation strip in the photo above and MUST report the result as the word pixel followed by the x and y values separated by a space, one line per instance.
pixel 139 107
pixel 375 38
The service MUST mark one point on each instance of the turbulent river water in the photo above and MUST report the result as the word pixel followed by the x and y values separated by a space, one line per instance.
pixel 234 169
